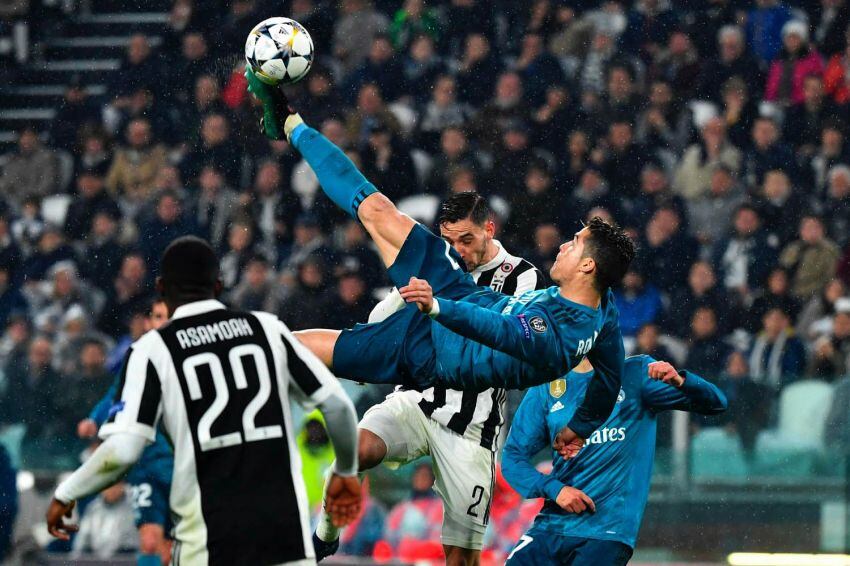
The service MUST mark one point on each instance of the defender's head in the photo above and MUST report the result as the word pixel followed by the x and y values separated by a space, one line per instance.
pixel 466 223
pixel 188 272
pixel 600 252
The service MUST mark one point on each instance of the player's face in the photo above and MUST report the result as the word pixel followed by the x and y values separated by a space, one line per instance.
pixel 469 239
pixel 158 317
pixel 569 258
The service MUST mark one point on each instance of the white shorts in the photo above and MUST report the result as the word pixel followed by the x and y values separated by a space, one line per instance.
pixel 464 470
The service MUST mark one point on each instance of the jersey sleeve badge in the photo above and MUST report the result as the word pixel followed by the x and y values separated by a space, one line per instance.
pixel 557 387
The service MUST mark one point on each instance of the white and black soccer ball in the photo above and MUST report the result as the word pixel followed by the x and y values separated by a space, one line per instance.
pixel 279 50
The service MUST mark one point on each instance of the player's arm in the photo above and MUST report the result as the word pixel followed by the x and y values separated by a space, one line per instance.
pixel 608 359
pixel 669 389
pixel 313 385
pixel 521 336
pixel 129 427
pixel 529 434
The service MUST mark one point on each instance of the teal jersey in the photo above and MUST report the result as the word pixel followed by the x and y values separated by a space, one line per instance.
pixel 614 468
pixel 490 340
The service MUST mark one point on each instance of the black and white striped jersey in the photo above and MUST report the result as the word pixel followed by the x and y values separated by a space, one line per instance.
pixel 479 416
pixel 220 381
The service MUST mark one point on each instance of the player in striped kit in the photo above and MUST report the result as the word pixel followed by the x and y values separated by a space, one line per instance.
pixel 458 429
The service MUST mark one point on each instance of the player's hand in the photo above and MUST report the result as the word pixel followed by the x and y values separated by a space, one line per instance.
pixel 666 373
pixel 56 525
pixel 86 428
pixel 574 500
pixel 567 443
pixel 420 292
pixel 342 499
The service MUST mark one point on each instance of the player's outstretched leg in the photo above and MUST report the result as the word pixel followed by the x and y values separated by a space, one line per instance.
pixel 338 177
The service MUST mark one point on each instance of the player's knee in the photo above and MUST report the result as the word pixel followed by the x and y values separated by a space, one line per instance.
pixel 151 538
pixel 371 450
pixel 375 208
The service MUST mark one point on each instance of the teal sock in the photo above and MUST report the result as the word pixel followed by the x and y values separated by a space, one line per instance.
pixel 339 178
pixel 148 560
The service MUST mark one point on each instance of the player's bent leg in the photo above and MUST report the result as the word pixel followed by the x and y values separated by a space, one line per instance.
pixel 371 450
pixel 320 341
pixel 386 224
pixel 457 556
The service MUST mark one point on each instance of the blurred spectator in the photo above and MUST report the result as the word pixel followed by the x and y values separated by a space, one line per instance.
pixel 831 26
pixel 62 290
pixel 442 111
pixel 454 151
pixel 702 291
pixel 29 225
pixel 777 357
pixel 477 70
pixel 213 204
pixel 50 250
pixel 831 351
pixel 513 154
pixel 215 145
pixel 76 111
pixel 666 251
pixel 555 119
pixel 31 171
pixel 836 78
pixel 662 125
pixel 591 191
pixel 305 300
pixel 767 153
pixel 693 175
pixel 347 304
pixel 775 295
pixel 647 342
pixel 369 112
pixel 744 258
pixel 707 351
pixel 31 393
pixel 12 302
pixel 321 101
pixel 135 166
pixel 91 200
pixel 382 68
pixel 623 160
pixel 94 152
pixel 357 24
pixel 547 242
pixel 507 109
pixel 816 316
pixel 795 61
pixel 804 121
pixel 539 202
pixel 388 164
pixel 355 253
pixel 539 68
pixel 194 61
pixel 764 28
pixel 422 67
pixel 811 260
pixel 650 24
pixel 81 389
pixel 168 223
pixel 639 303
pixel 749 402
pixel 274 208
pixel 139 69
pixel 710 215
pixel 836 208
pixel 236 251
pixel 740 111
pixel 257 289
pixel 317 455
pixel 781 206
pixel 679 65
pixel 732 60
pixel 413 20
pixel 621 100
pixel 15 341
pixel 831 152
pixel 104 253
pixel 106 528
pixel 130 293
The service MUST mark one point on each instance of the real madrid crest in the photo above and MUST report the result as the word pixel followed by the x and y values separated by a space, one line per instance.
pixel 557 387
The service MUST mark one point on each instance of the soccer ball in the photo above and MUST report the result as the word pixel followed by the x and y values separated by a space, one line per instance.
pixel 279 50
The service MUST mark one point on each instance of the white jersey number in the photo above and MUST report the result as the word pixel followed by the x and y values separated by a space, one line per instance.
pixel 222 396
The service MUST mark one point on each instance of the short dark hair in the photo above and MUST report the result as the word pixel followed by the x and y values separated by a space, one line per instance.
pixel 611 249
pixel 189 269
pixel 467 204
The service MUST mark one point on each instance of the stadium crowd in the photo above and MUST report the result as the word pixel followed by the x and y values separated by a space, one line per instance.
pixel 715 130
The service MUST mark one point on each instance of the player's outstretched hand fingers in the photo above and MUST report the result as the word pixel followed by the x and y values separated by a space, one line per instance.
pixel 56 526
